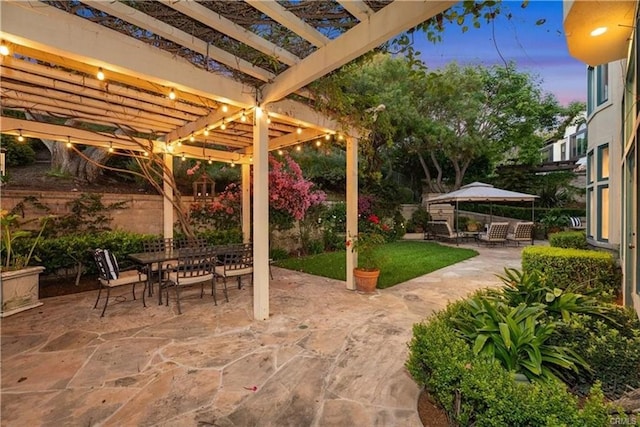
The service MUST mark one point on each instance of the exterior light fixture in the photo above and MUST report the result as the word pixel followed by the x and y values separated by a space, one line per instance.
pixel 233 164
pixel 299 130
pixel 298 148
pixel 192 138
pixel 251 159
pixel 318 143
pixel 179 143
pixel 20 137
pixel 223 126
pixel 268 119
pixel 4 49
pixel 206 131
pixel 598 31
pixel 172 95
pixel 111 147
pixel 100 74
pixel 327 137
pixel 280 152
pixel 68 142
pixel 210 161
pixel 225 108
pixel 243 117
pixel 145 153
pixel 183 157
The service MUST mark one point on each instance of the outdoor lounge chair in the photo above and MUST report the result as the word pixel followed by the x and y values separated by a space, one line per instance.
pixel 110 276
pixel 497 233
pixel 523 232
pixel 442 230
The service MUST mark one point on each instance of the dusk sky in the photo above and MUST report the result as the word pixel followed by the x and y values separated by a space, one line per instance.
pixel 540 50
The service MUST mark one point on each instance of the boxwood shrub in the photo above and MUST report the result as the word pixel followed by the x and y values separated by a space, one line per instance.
pixel 585 270
pixel 569 239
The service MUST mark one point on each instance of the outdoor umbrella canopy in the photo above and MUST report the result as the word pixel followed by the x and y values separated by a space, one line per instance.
pixel 481 192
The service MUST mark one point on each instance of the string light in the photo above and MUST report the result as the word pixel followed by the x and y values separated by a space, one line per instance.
pixel 340 137
pixel 225 108
pixel 68 142
pixel 172 95
pixel 327 137
pixel 318 143
pixel 183 157
pixel 298 148
pixel 299 130
pixel 206 131
pixel 243 117
pixel 100 74
pixel 192 138
pixel 210 161
pixel 233 164
pixel 20 137
pixel 280 152
pixel 223 126
pixel 179 143
pixel 111 147
pixel 268 119
pixel 146 153
pixel 4 49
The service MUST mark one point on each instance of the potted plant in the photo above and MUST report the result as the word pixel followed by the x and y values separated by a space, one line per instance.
pixel 367 244
pixel 19 287
pixel 554 222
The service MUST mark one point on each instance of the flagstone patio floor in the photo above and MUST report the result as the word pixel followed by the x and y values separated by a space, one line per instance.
pixel 327 356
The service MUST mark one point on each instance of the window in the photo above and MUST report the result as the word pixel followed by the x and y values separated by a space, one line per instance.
pixel 591 213
pixel 590 170
pixel 590 89
pixel 602 84
pixel 563 151
pixel 603 214
pixel 603 162
pixel 578 142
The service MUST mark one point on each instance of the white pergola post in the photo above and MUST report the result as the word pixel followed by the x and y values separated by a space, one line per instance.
pixel 260 216
pixel 246 202
pixel 167 205
pixel 352 207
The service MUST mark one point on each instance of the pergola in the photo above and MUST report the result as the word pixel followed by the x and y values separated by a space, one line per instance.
pixel 201 79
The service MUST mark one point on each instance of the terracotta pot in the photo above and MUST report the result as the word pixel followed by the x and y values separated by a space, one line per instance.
pixel 366 280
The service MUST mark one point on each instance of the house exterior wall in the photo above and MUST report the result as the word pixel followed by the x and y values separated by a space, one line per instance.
pixel 603 172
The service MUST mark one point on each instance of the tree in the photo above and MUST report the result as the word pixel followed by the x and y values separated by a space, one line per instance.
pixel 467 113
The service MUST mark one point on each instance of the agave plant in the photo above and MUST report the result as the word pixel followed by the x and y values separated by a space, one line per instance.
pixel 516 337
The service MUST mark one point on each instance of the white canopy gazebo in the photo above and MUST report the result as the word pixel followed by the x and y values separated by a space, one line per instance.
pixel 483 193
pixel 206 80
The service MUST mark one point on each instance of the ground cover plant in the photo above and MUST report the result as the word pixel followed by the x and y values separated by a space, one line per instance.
pixel 402 261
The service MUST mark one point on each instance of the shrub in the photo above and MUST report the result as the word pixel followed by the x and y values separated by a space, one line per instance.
pixel 569 239
pixel 612 350
pixel 475 390
pixel 278 253
pixel 586 270
pixel 18 153
pixel 420 217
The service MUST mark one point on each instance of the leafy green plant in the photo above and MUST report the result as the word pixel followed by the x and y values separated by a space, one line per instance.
pixel 516 337
pixel 12 232
pixel 569 239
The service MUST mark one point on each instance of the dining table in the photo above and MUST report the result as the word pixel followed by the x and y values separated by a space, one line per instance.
pixel 159 258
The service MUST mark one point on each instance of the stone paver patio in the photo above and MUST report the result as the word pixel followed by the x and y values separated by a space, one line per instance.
pixel 326 357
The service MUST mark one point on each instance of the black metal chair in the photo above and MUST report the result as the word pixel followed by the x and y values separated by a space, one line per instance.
pixel 110 276
pixel 237 261
pixel 194 265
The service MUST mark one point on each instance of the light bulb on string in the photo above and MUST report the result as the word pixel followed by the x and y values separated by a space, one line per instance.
pixel 192 138
pixel 206 131
pixel 210 161
pixel 327 137
pixel 225 108
pixel 68 142
pixel 298 147
pixel 183 157
pixel 280 152
pixel 179 143
pixel 299 130
pixel 243 117
pixel 145 153
pixel 4 49
pixel 172 94
pixel 318 143
pixel 233 164
pixel 100 74
pixel 20 137
pixel 223 126
pixel 111 147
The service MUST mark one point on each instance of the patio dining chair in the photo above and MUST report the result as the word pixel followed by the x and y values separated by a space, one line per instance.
pixel 159 244
pixel 194 265
pixel 237 261
pixel 111 276
pixel 496 233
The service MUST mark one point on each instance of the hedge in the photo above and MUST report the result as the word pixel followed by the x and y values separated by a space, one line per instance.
pixel 569 240
pixel 583 270
pixel 519 212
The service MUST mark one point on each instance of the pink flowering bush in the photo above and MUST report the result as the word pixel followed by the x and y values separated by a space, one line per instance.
pixel 290 194
pixel 224 213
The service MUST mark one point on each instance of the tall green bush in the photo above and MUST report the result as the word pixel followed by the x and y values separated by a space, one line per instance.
pixel 569 240
pixel 584 270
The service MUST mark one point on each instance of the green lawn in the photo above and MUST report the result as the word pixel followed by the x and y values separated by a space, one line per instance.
pixel 404 260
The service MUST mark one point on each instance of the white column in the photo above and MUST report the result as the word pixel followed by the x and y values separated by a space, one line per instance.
pixel 260 216
pixel 352 207
pixel 246 202
pixel 167 205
